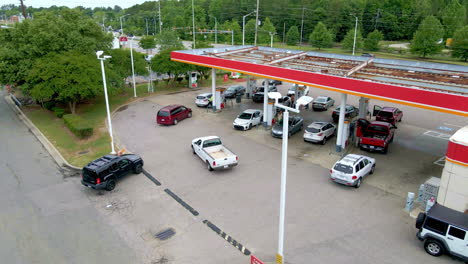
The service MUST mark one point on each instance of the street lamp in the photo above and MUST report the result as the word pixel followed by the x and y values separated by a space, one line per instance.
pixel 271 38
pixel 303 100
pixel 102 59
pixel 216 30
pixel 355 32
pixel 243 27
pixel 133 68
pixel 121 27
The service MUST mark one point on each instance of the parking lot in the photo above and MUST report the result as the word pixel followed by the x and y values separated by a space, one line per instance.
pixel 325 222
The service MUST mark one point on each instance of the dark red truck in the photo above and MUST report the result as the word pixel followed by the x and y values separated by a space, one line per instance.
pixel 375 136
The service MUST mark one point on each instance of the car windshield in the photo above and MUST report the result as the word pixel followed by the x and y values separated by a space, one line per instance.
pixel 212 142
pixel 343 168
pixel 321 100
pixel 245 116
pixel 385 114
pixel 201 97
pixel 231 89
pixel 163 113
pixel 312 129
pixel 261 89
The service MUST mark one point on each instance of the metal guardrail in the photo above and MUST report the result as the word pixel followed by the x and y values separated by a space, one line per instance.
pixel 17 102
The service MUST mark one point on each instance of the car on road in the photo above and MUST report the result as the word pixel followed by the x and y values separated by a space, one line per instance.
pixel 296 123
pixel 234 90
pixel 350 113
pixel 443 230
pixel 203 100
pixel 352 169
pixel 103 173
pixel 285 100
pixel 322 103
pixel 259 93
pixel 172 114
pixel 319 132
pixel 247 119
pixel 387 114
pixel 273 82
pixel 213 153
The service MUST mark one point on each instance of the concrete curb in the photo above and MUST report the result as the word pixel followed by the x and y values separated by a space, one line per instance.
pixel 68 169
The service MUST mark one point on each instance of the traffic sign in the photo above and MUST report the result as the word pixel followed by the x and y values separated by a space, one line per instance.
pixel 123 39
pixel 254 260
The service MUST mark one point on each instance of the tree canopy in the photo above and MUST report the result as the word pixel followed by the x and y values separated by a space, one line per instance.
pixel 321 37
pixel 428 38
pixel 460 44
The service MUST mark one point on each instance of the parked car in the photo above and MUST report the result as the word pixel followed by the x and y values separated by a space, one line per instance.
pixel 259 93
pixel 352 169
pixel 350 113
pixel 247 119
pixel 292 90
pixel 273 82
pixel 387 114
pixel 203 99
pixel 296 123
pixel 233 91
pixel 319 132
pixel 104 172
pixel 443 230
pixel 375 136
pixel 285 100
pixel 172 114
pixel 322 103
pixel 213 153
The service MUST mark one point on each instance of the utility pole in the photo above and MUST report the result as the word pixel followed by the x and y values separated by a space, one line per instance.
pixel 355 33
pixel 256 24
pixel 160 19
pixel 302 25
pixel 284 31
pixel 146 20
pixel 23 9
pixel 193 24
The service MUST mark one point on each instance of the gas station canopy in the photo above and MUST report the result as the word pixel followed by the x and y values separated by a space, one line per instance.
pixel 434 86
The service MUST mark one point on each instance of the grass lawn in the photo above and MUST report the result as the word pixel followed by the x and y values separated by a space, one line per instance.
pixel 77 151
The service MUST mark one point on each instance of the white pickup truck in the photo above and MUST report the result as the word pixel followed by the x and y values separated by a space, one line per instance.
pixel 213 153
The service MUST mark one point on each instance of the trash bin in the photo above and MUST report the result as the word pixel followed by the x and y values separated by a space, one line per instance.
pixel 238 98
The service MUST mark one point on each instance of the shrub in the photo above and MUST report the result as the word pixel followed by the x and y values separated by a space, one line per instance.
pixel 80 127
pixel 59 112
pixel 48 105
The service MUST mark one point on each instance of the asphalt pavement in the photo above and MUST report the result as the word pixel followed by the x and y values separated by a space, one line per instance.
pixel 45 218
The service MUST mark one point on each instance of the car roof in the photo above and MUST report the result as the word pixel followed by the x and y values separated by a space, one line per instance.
pixel 204 94
pixel 351 159
pixel 388 109
pixel 170 107
pixel 321 96
pixel 449 216
pixel 317 124
pixel 251 111
pixel 101 163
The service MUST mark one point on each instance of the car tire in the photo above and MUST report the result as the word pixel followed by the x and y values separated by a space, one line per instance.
pixel 385 150
pixel 110 185
pixel 138 169
pixel 208 166
pixel 250 126
pixel 433 247
pixel 420 220
pixel 358 183
pixel 372 169
pixel 193 150
pixel 324 140
pixel 189 115
pixel 289 134
pixel 175 122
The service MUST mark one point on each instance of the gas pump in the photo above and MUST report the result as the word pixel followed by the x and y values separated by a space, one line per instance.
pixel 219 98
pixel 251 85
pixel 193 80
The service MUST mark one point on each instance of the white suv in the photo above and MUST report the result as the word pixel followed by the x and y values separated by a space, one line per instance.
pixel 351 169
pixel 248 119
pixel 444 230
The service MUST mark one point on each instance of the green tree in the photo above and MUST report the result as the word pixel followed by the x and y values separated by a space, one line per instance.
pixel 371 43
pixel 348 41
pixel 120 66
pixel 250 32
pixel 320 37
pixel 147 42
pixel 168 39
pixel 162 63
pixel 265 30
pixel 460 44
pixel 292 37
pixel 453 17
pixel 70 78
pixel 427 37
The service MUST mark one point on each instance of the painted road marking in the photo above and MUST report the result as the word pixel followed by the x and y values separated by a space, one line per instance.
pixel 447 124
pixel 440 162
pixel 444 128
pixel 228 238
pixel 436 134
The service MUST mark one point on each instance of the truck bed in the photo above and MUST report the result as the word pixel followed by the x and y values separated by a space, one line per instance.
pixel 220 154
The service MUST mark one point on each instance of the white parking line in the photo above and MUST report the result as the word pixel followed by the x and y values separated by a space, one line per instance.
pixel 436 134
pixel 440 162
pixel 447 124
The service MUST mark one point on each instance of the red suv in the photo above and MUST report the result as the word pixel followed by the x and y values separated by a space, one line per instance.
pixel 172 114
pixel 387 114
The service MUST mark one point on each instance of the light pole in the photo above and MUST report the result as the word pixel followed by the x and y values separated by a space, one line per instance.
pixel 303 100
pixel 121 27
pixel 256 24
pixel 243 27
pixel 193 24
pixel 355 32
pixel 271 38
pixel 102 59
pixel 216 30
pixel 133 68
